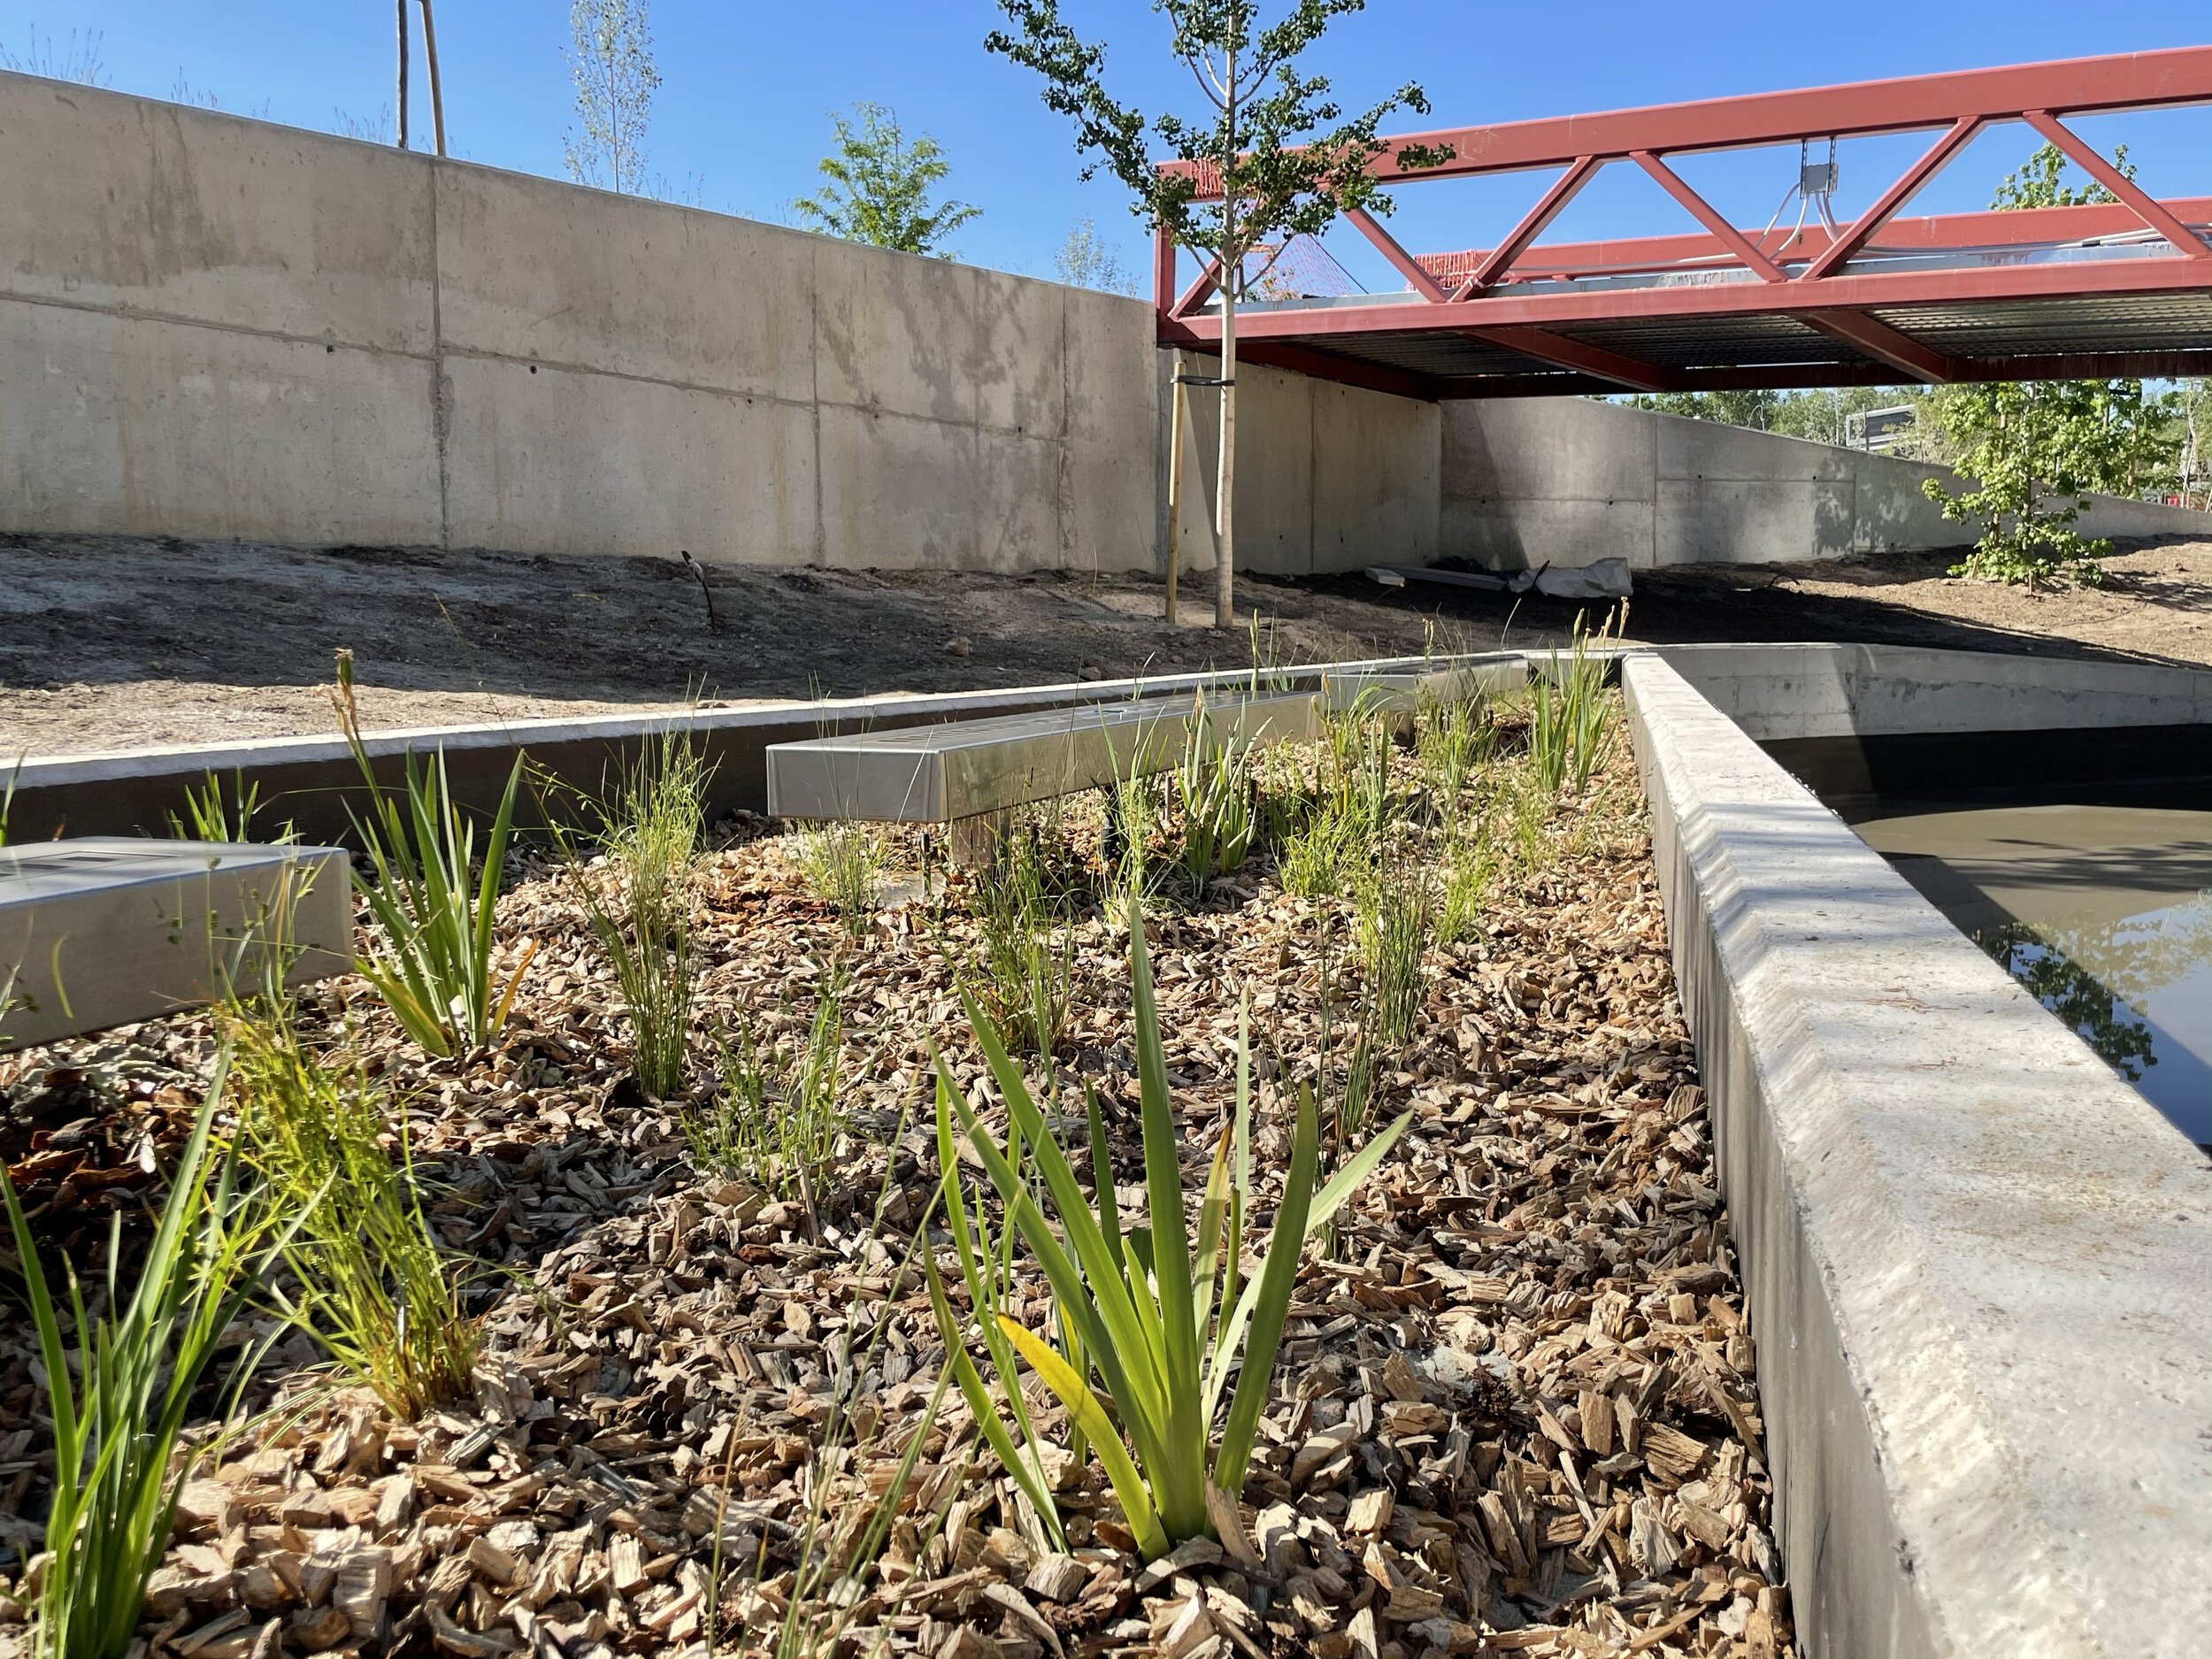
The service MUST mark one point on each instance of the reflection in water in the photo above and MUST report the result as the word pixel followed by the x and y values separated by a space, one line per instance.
pixel 2121 1036
pixel 2103 911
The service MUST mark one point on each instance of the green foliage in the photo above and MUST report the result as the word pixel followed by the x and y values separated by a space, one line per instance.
pixel 1395 916
pixel 1450 739
pixel 1087 260
pixel 1571 718
pixel 118 1410
pixel 369 1279
pixel 1028 945
pixel 1162 1325
pixel 1290 160
pixel 879 188
pixel 1215 787
pixel 1469 866
pixel 772 1118
pixel 211 816
pixel 649 829
pixel 842 862
pixel 2037 450
pixel 433 902
pixel 611 60
pixel 1343 828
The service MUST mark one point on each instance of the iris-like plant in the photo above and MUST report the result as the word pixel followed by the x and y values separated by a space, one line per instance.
pixel 1163 1321
pixel 210 814
pixel 118 1411
pixel 1214 786
pixel 432 899
pixel 1571 718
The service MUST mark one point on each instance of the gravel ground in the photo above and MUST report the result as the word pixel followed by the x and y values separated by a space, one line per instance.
pixel 1516 1410
pixel 110 643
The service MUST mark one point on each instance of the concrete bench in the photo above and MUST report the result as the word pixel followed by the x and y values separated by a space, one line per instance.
pixel 974 772
pixel 972 769
pixel 107 930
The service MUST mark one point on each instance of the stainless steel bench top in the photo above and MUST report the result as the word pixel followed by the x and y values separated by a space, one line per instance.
pixel 107 931
pixel 937 774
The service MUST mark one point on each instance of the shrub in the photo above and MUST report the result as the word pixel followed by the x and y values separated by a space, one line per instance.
pixel 1162 1325
pixel 118 1412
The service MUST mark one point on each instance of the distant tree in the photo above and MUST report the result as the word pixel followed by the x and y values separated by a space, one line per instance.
pixel 880 184
pixel 1288 161
pixel 611 63
pixel 1085 260
pixel 1753 409
pixel 79 60
pixel 2037 450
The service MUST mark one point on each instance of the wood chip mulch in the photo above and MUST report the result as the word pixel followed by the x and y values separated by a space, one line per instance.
pixel 1516 1411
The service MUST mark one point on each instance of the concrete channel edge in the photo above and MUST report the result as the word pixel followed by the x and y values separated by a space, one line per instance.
pixel 1979 1266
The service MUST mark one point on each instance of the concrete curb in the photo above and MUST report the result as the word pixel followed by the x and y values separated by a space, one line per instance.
pixel 311 779
pixel 1979 1266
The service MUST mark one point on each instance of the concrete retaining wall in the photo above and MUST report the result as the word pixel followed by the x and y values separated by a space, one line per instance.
pixel 1330 477
pixel 1979 1266
pixel 216 327
pixel 1564 480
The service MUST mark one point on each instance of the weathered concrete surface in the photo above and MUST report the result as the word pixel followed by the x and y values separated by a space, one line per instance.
pixel 1979 1266
pixel 1329 478
pixel 216 327
pixel 107 930
pixel 1565 481
pixel 1781 692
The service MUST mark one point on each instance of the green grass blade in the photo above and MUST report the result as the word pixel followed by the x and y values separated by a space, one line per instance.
pixel 1084 1410
pixel 1279 1276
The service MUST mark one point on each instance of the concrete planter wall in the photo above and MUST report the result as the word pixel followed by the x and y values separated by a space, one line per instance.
pixel 1979 1266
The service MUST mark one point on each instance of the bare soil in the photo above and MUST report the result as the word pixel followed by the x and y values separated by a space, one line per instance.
pixel 110 642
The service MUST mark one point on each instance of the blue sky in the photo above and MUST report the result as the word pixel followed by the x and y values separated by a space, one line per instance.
pixel 748 87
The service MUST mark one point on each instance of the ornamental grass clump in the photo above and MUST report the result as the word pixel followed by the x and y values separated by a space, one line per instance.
pixel 1168 1325
pixel 1571 721
pixel 119 1408
pixel 639 902
pixel 432 898
pixel 1029 947
pixel 366 1277
pixel 1216 787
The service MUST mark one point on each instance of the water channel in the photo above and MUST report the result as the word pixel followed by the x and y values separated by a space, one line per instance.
pixel 2097 897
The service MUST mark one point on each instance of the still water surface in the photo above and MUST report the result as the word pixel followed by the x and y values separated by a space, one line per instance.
pixel 2101 905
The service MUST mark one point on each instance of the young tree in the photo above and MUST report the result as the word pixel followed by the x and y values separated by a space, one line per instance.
pixel 1085 260
pixel 2036 450
pixel 612 62
pixel 880 184
pixel 1288 160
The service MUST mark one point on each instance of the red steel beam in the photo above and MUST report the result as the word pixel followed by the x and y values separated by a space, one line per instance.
pixel 2017 227
pixel 1548 207
pixel 2130 81
pixel 1595 361
pixel 1328 365
pixel 1408 266
pixel 1877 340
pixel 2076 365
pixel 1907 183
pixel 2132 194
pixel 1850 291
pixel 1710 215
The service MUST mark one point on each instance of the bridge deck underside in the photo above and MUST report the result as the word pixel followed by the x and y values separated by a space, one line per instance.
pixel 2148 334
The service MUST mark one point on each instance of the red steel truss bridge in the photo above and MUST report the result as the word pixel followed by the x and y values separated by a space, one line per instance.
pixel 2121 287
